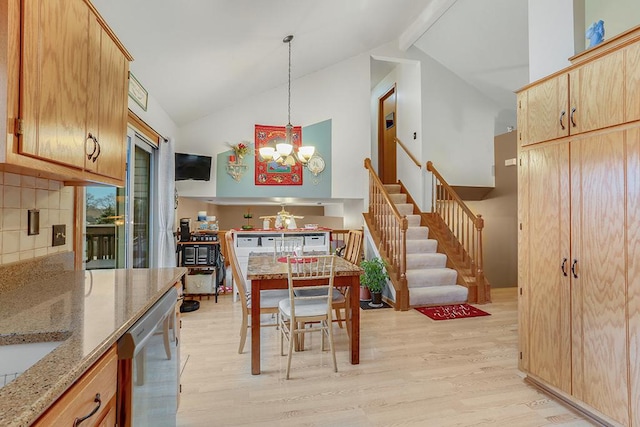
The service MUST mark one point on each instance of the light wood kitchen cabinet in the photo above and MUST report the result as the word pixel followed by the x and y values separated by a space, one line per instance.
pixel 54 81
pixel 547 324
pixel 633 269
pixel 65 94
pixel 574 326
pixel 579 214
pixel 593 94
pixel 95 389
pixel 596 97
pixel 632 82
pixel 599 283
pixel 107 119
pixel 521 101
pixel 548 104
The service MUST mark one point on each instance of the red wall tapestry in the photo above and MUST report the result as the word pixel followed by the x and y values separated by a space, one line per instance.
pixel 273 173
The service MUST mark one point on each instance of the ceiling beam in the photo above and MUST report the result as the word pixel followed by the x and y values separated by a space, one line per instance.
pixel 427 18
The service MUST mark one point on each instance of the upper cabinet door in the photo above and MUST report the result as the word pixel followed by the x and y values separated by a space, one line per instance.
pixel 107 104
pixel 522 117
pixel 54 80
pixel 597 94
pixel 548 103
pixel 632 83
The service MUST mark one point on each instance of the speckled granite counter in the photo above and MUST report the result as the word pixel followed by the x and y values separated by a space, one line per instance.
pixel 89 310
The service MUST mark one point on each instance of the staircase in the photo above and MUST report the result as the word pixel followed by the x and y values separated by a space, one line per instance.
pixel 432 258
pixel 429 280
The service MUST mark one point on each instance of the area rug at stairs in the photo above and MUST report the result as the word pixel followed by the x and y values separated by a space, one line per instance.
pixel 455 311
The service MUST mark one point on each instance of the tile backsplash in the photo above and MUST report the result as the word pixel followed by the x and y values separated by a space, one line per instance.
pixel 54 201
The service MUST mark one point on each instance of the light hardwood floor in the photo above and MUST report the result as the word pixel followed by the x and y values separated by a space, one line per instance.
pixel 413 371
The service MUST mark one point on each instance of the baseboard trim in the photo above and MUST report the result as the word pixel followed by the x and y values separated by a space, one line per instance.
pixel 583 408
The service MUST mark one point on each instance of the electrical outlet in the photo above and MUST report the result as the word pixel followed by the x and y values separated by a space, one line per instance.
pixel 59 235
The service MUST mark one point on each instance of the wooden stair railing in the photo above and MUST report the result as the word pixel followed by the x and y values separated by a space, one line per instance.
pixel 406 150
pixel 389 227
pixel 465 229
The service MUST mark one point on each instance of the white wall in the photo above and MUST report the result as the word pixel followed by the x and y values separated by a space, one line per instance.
pixel 551 36
pixel 339 93
pixel 458 126
pixel 456 123
pixel 406 77
pixel 156 117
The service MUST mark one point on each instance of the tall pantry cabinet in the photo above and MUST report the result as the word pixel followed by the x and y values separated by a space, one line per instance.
pixel 579 238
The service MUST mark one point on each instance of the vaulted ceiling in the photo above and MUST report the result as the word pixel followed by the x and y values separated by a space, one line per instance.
pixel 197 56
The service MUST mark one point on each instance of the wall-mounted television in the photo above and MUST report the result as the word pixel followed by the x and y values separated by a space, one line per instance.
pixel 192 166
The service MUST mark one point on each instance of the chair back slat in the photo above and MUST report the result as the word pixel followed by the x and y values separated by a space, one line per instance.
pixel 288 245
pixel 238 277
pixel 353 249
pixel 317 268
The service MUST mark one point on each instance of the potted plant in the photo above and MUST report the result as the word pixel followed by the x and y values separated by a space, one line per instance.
pixel 374 278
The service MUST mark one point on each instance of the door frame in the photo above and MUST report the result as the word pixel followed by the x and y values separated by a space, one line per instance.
pixel 382 162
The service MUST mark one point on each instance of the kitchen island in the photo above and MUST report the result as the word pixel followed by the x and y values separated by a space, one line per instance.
pixel 88 311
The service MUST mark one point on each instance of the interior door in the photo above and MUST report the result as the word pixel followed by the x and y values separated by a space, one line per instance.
pixel 548 292
pixel 598 192
pixel 386 138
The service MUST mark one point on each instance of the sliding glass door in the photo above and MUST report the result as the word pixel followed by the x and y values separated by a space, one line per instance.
pixel 140 206
pixel 119 221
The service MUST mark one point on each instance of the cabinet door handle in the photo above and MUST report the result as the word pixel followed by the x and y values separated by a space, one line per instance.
pixel 95 146
pixel 77 421
pixel 562 114
pixel 563 267
pixel 572 117
pixel 573 268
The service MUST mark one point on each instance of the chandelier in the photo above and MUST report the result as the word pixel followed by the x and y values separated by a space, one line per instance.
pixel 283 153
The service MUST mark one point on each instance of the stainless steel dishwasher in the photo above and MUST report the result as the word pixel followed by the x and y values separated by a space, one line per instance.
pixel 148 371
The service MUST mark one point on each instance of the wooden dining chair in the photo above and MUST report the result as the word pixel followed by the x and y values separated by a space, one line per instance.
pixel 288 245
pixel 352 253
pixel 269 299
pixel 353 248
pixel 299 314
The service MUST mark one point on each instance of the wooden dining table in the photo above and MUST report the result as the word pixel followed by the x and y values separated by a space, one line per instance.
pixel 266 272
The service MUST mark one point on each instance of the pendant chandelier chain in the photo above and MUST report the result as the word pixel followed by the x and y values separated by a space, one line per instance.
pixel 289 116
pixel 284 152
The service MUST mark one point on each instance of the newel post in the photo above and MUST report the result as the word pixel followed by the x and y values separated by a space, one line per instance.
pixel 480 282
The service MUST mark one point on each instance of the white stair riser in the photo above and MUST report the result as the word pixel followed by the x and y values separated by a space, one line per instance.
pixel 404 208
pixel 413 220
pixel 398 198
pixel 418 261
pixel 438 295
pixel 431 277
pixel 414 233
pixel 392 188
pixel 422 246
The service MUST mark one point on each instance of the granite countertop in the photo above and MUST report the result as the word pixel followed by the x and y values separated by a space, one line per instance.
pixel 88 310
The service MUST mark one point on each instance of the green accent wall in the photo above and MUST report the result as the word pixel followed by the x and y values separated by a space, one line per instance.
pixel 318 135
